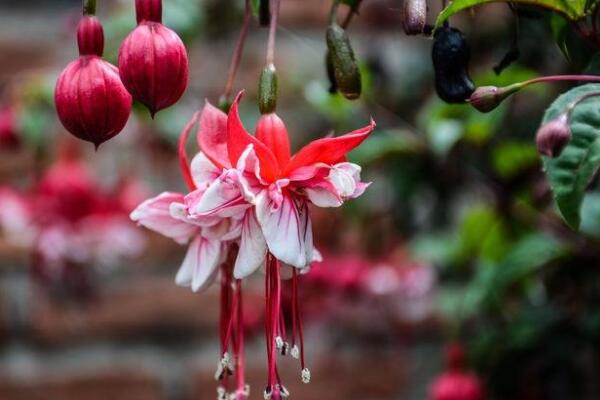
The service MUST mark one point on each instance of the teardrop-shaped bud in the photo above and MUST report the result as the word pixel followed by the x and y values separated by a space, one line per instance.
pixel 553 136
pixel 267 90
pixel 487 98
pixel 414 16
pixel 264 13
pixel 90 99
pixel 347 74
pixel 271 130
pixel 153 61
pixel 450 55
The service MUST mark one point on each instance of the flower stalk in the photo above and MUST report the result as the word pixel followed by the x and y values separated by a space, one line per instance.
pixel 237 56
pixel 89 7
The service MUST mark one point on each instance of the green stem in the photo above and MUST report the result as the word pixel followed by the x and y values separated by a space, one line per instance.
pixel 89 7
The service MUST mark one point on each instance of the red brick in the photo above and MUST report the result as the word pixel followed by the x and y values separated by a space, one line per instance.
pixel 145 307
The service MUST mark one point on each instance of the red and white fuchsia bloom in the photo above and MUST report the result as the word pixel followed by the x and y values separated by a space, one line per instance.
pixel 248 207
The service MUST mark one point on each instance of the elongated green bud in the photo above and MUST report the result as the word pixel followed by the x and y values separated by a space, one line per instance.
pixel 347 74
pixel 267 90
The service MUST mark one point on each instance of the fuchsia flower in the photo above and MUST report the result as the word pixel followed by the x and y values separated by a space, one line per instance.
pixel 248 207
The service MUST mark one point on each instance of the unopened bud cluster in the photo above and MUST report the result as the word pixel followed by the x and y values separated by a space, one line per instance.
pixel 93 98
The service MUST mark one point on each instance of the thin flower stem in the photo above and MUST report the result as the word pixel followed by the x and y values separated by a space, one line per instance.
pixel 238 51
pixel 333 12
pixel 89 7
pixel 241 380
pixel 575 103
pixel 554 78
pixel 275 5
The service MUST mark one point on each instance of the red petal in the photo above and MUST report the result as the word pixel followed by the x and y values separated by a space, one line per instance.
pixel 238 139
pixel 212 135
pixel 271 131
pixel 183 160
pixel 328 150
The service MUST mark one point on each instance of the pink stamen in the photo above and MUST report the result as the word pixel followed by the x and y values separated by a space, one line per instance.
pixel 184 163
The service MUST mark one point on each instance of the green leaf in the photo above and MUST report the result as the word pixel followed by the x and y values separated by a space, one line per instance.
pixel 572 9
pixel 570 173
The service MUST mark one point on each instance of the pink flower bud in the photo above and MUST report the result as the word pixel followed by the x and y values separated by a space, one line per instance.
pixel 91 101
pixel 487 98
pixel 271 130
pixel 553 136
pixel 153 61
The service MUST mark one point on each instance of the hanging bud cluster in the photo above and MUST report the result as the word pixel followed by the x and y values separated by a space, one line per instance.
pixel 414 16
pixel 341 63
pixel 93 98
pixel 153 61
pixel 91 101
pixel 450 55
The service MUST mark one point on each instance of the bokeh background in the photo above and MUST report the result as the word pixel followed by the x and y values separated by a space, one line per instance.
pixel 456 239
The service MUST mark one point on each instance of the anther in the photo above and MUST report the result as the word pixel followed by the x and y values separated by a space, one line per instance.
pixel 279 343
pixel 295 352
pixel 305 375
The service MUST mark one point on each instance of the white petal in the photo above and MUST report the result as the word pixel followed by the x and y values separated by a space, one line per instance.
pixel 200 264
pixel 204 172
pixel 321 197
pixel 287 229
pixel 253 247
pixel 222 198
pixel 155 214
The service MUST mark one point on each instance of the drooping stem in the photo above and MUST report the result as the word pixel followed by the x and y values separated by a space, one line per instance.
pixel 89 7
pixel 238 51
pixel 569 109
pixel 275 4
pixel 555 78
pixel 184 163
pixel 333 12
pixel 241 380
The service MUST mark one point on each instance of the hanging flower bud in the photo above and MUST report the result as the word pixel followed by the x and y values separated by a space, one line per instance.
pixel 414 16
pixel 264 13
pixel 8 129
pixel 347 74
pixel 553 136
pixel 456 383
pixel 487 98
pixel 450 55
pixel 267 90
pixel 153 61
pixel 91 101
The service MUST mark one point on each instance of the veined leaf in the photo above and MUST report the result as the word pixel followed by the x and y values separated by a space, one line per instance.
pixel 571 172
pixel 572 9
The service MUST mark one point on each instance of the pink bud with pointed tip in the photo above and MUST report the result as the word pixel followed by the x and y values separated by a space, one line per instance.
pixel 90 98
pixel 553 136
pixel 153 61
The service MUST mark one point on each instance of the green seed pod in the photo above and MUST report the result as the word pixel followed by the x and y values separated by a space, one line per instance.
pixel 330 73
pixel 267 90
pixel 264 13
pixel 347 74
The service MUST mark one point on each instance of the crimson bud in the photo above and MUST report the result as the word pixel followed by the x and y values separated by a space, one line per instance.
pixel 91 101
pixel 553 136
pixel 153 61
